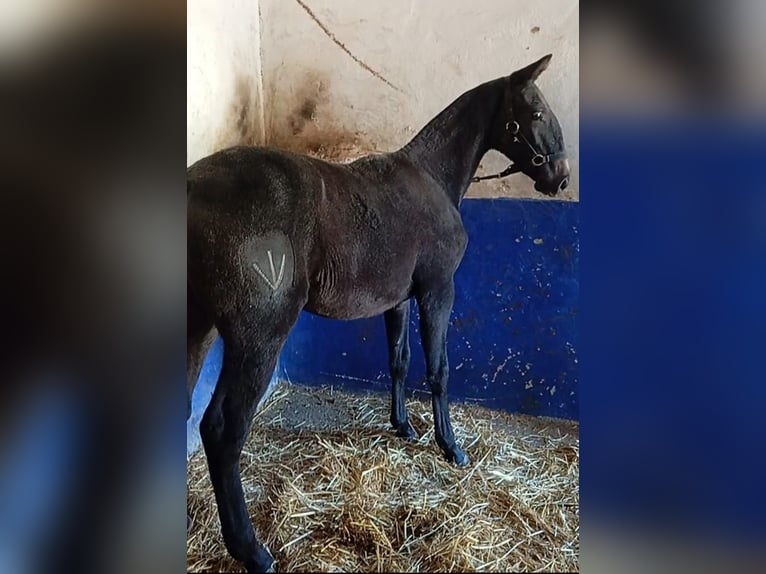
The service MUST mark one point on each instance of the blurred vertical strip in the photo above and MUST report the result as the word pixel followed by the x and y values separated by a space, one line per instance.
pixel 92 297
pixel 673 285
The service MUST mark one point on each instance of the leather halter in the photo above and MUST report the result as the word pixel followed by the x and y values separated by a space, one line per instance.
pixel 538 159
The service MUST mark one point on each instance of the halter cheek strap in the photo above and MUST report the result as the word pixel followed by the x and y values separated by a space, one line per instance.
pixel 537 160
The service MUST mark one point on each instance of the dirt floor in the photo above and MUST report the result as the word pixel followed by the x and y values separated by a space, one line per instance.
pixel 330 488
pixel 326 408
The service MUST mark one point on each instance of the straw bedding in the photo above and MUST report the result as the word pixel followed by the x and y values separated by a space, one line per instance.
pixel 331 489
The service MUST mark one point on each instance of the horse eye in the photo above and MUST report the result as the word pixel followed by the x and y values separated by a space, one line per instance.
pixel 537 115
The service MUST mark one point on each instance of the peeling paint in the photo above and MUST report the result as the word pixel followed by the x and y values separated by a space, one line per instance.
pixel 501 367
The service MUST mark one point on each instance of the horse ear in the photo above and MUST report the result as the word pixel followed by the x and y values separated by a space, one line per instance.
pixel 531 72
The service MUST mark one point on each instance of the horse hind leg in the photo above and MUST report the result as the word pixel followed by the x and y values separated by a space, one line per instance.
pixel 397 321
pixel 252 343
pixel 200 334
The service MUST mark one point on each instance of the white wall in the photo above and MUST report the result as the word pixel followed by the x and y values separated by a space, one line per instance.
pixel 223 70
pixel 318 99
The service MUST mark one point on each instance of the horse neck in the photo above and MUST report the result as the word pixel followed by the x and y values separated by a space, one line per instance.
pixel 451 145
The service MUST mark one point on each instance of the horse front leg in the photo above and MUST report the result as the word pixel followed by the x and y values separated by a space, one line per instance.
pixel 398 335
pixel 435 303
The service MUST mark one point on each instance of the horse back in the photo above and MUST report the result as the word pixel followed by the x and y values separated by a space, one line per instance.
pixel 355 234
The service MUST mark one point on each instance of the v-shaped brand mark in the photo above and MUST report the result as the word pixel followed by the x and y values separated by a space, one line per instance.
pixel 276 278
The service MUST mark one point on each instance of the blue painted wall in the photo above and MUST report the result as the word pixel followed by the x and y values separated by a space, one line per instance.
pixel 512 340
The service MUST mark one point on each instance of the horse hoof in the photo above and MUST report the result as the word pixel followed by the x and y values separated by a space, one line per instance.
pixel 406 431
pixel 458 457
pixel 261 561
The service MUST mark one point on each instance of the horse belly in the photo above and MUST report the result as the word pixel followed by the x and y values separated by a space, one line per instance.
pixel 357 295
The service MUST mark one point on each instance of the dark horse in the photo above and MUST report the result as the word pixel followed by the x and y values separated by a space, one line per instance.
pixel 271 233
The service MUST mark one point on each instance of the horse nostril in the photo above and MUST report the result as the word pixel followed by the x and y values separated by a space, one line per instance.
pixel 564 183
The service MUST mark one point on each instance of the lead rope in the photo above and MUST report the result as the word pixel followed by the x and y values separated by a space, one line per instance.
pixel 511 169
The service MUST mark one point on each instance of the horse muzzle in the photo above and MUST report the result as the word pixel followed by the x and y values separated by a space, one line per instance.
pixel 551 188
pixel 557 181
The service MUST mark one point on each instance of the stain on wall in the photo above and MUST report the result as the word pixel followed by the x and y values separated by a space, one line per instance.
pixel 241 126
pixel 309 125
pixel 224 99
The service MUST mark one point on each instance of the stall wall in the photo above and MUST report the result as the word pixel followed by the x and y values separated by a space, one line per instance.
pixel 340 78
pixel 224 105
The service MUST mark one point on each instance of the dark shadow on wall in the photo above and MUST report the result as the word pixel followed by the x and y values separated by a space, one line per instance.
pixel 309 127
